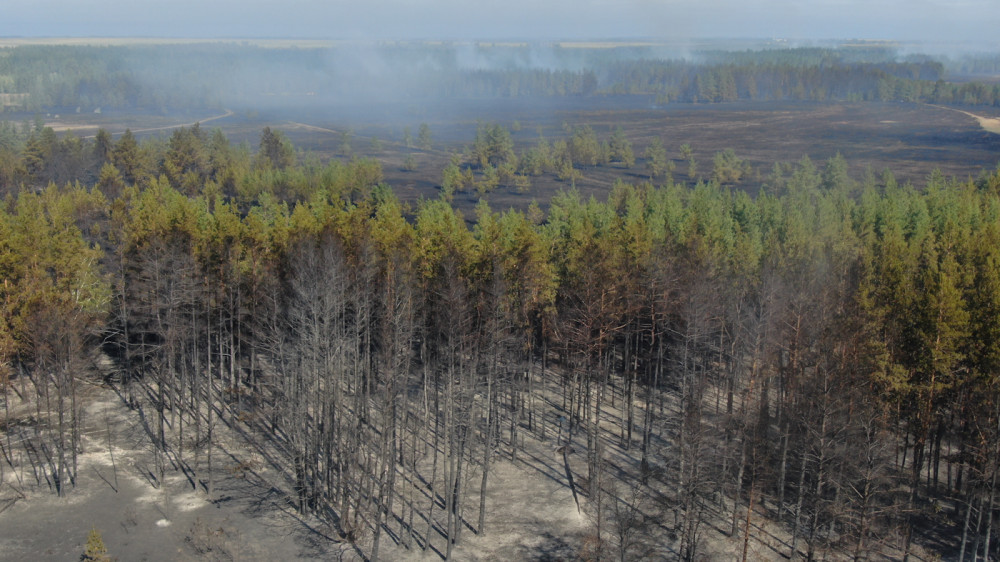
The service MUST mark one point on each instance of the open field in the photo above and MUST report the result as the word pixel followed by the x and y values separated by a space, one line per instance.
pixel 911 140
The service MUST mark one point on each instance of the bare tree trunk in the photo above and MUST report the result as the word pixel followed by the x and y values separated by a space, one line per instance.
pixel 746 526
pixel 911 500
pixel 783 467
pixel 61 441
pixel 450 468
pixel 734 529
pixel 413 474
pixel 74 425
pixel 210 402
pixel 431 483
pixel 514 408
pixel 965 527
pixel 797 517
pixel 989 517
pixel 487 451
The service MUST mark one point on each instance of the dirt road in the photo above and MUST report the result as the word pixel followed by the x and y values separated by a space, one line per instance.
pixel 989 124
pixel 61 127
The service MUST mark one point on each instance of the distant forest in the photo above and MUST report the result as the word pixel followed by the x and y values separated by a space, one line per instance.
pixel 181 77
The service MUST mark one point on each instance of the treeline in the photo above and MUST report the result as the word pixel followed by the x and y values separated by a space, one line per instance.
pixel 688 82
pixel 211 75
pixel 826 351
pixel 982 64
pixel 88 78
pixel 846 54
pixel 215 75
pixel 517 83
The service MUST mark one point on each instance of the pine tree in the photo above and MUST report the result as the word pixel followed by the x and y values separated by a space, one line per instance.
pixel 95 551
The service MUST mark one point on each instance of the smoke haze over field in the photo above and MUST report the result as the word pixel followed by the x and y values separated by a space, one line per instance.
pixel 967 21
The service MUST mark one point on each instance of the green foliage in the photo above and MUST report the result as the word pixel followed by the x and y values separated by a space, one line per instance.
pixel 521 183
pixel 409 163
pixel 537 159
pixel 345 142
pixel 127 157
pixel 835 176
pixel 424 137
pixel 656 158
pixel 692 170
pixel 490 180
pixel 53 278
pixel 565 170
pixel 451 181
pixel 38 155
pixel 686 152
pixel 103 147
pixel 94 550
pixel 728 168
pixel 584 147
pixel 186 162
pixel 493 146
pixel 275 151
pixel 620 149
pixel 110 181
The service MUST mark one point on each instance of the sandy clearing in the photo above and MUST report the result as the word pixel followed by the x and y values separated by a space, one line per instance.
pixel 991 124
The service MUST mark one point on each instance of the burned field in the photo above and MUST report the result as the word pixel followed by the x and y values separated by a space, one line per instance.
pixel 911 140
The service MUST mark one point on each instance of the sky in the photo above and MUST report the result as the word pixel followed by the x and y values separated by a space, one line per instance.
pixel 930 21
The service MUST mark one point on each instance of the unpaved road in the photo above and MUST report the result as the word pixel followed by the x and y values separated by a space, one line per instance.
pixel 61 127
pixel 989 124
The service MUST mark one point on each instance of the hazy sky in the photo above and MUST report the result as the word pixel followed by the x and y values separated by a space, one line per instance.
pixel 920 20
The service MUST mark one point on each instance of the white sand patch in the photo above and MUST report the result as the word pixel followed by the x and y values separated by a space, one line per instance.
pixel 989 124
